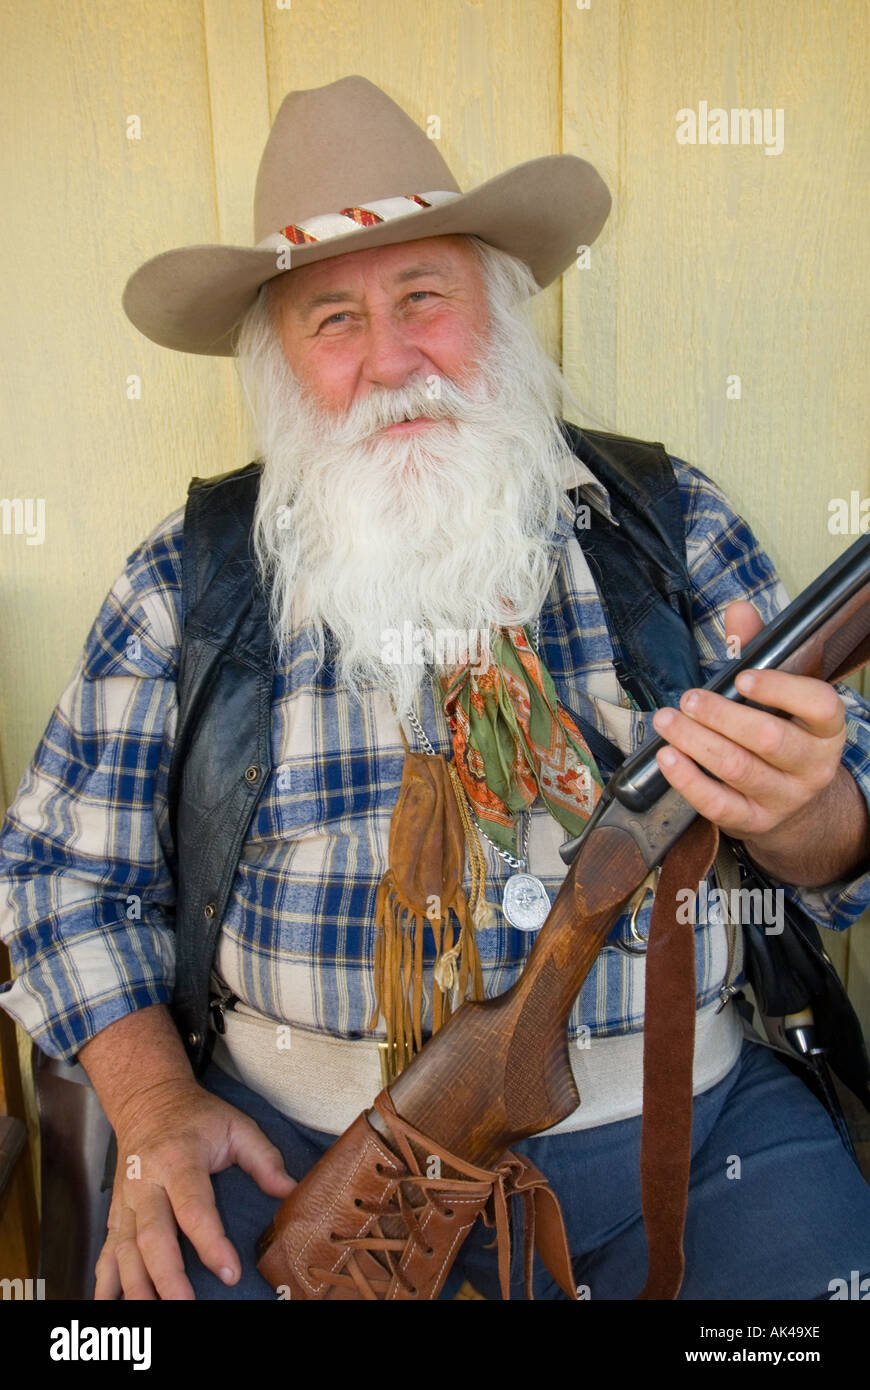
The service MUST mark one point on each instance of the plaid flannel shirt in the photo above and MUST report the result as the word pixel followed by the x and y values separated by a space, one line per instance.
pixel 86 856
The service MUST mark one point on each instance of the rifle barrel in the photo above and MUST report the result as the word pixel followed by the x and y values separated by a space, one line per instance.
pixel 838 600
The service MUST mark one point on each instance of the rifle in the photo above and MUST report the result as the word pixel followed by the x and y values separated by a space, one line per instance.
pixel 408 1179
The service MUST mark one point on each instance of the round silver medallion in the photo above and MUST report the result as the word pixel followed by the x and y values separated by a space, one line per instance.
pixel 525 902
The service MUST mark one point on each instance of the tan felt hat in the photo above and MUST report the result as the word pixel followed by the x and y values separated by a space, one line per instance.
pixel 345 169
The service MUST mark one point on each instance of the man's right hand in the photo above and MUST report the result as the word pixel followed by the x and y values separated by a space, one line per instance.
pixel 171 1137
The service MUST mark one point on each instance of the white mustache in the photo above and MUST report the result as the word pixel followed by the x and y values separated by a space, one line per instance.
pixel 382 407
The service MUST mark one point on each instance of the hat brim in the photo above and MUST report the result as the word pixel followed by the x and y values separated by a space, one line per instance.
pixel 191 299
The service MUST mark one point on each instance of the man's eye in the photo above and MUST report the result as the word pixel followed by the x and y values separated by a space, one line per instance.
pixel 341 315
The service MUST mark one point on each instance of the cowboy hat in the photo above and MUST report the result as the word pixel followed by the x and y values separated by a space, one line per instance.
pixel 345 169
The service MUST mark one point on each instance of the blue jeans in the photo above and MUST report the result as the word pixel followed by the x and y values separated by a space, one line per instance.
pixel 777 1208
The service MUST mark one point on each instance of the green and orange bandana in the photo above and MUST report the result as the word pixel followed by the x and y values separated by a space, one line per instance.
pixel 513 741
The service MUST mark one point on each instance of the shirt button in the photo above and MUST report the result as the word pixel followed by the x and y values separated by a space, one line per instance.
pixel 194 1039
pixel 252 773
pixel 640 728
pixel 208 910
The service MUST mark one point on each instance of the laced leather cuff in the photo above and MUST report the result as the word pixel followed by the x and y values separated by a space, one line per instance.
pixel 383 1221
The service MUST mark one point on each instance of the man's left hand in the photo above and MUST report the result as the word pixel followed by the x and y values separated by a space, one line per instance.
pixel 782 788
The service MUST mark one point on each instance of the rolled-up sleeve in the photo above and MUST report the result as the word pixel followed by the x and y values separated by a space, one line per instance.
pixel 87 867
pixel 725 563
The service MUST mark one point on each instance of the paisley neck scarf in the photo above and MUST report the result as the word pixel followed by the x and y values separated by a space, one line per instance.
pixel 514 741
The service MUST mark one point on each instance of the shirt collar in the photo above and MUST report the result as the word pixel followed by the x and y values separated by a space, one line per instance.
pixel 592 491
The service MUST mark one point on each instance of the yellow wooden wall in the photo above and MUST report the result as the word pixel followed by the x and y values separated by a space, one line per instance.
pixel 717 260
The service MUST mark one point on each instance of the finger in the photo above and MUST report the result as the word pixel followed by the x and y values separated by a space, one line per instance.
pixel 812 739
pixel 107 1283
pixel 157 1239
pixel 131 1267
pixel 192 1197
pixel 748 748
pixel 742 623
pixel 259 1158
pixel 107 1276
pixel 815 703
pixel 720 804
pixel 731 762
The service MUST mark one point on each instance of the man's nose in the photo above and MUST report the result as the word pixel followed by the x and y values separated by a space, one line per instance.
pixel 390 355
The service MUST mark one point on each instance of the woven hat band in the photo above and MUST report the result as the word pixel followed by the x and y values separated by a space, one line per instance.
pixel 333 224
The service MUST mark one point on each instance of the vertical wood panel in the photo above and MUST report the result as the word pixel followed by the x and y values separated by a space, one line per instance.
pixel 84 206
pixel 727 260
pixel 235 56
pixel 235 40
pixel 592 103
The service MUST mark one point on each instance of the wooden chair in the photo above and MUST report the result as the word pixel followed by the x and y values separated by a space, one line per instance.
pixel 19 1220
pixel 75 1137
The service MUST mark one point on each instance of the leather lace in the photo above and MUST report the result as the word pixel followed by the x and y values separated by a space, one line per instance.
pixel 396 1254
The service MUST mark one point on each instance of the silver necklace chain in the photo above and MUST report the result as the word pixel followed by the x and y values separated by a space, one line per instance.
pixel 509 859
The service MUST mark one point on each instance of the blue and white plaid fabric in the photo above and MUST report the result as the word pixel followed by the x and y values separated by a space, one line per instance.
pixel 85 852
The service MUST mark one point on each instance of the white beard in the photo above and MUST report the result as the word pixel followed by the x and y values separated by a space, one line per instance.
pixel 448 531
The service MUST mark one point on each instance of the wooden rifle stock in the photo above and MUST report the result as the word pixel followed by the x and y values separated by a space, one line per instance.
pixel 499 1070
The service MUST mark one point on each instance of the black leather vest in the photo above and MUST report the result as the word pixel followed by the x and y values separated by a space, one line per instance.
pixel 222 753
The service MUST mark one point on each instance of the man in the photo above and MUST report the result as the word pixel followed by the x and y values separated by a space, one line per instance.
pixel 414 475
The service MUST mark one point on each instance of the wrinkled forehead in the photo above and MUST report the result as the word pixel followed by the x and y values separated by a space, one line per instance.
pixel 449 257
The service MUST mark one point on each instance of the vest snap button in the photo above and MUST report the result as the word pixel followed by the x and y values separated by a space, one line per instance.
pixel 208 910
pixel 252 773
pixel 194 1039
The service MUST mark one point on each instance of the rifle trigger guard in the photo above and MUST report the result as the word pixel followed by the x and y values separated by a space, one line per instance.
pixel 638 944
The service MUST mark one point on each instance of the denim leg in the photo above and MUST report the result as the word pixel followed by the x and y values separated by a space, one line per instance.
pixel 796 1217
